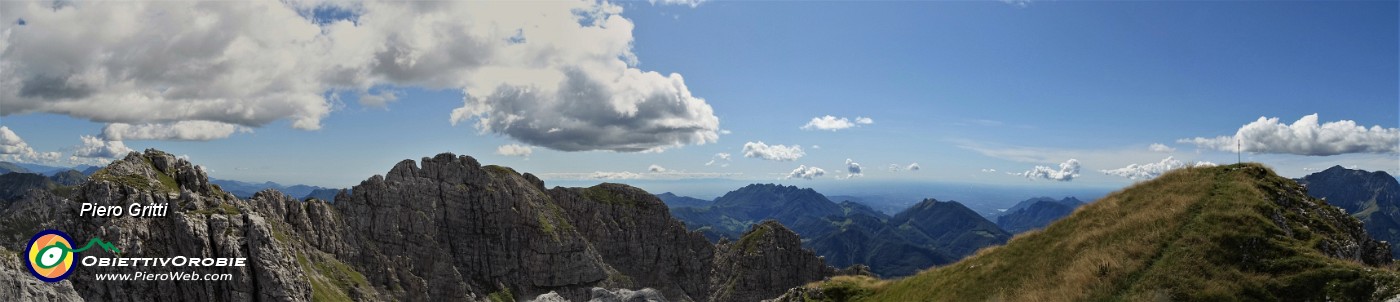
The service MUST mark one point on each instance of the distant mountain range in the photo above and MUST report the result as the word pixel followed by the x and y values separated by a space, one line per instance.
pixel 1036 213
pixel 248 189
pixel 7 167
pixel 930 233
pixel 674 201
pixel 1236 232
pixel 1372 197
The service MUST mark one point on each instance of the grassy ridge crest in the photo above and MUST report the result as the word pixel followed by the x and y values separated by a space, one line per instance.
pixel 1237 232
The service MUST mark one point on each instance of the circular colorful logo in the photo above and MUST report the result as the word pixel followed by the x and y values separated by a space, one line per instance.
pixel 50 256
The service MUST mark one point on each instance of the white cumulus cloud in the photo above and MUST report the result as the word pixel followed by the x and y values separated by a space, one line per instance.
pixel 834 123
pixel 852 168
pixel 13 148
pixel 805 172
pixel 515 150
pixel 717 158
pixel 773 152
pixel 1068 171
pixel 1160 148
pixel 97 148
pixel 654 168
pixel 1152 170
pixel 1305 137
pixel 559 74
pixel 912 167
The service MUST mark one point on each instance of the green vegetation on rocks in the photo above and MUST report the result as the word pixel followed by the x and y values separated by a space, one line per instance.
pixel 601 193
pixel 331 280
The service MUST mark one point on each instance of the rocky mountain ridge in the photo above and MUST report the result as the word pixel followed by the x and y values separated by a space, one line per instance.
pixel 1372 197
pixel 443 228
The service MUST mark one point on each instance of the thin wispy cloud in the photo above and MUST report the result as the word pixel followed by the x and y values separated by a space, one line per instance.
pixel 1152 170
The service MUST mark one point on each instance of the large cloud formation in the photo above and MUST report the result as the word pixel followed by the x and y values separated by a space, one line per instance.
pixel 558 74
pixel 1152 170
pixel 1067 172
pixel 1305 137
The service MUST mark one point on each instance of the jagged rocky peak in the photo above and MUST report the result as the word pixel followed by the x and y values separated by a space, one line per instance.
pixel 155 170
pixel 767 260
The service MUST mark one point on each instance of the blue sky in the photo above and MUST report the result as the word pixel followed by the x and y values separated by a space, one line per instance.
pixel 961 88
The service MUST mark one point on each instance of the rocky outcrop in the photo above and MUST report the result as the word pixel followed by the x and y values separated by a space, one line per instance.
pixel 1372 197
pixel 448 229
pixel 17 285
pixel 634 233
pixel 763 263
pixel 199 222
pixel 599 294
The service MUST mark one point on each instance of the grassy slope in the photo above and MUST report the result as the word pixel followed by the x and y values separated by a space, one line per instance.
pixel 1193 234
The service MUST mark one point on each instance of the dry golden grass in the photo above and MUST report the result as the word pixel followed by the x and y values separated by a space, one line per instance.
pixel 1177 237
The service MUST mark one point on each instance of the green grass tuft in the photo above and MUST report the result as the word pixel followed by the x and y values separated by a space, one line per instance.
pixel 504 295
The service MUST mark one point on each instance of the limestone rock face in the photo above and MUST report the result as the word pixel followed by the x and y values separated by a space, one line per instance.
pixel 453 227
pixel 443 228
pixel 634 233
pixel 762 264
pixel 198 223
pixel 17 285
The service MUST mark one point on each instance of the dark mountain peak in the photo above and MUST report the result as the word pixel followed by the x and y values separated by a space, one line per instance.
pixel 761 201
pixel 1070 200
pixel 1037 215
pixel 930 204
pixel 1353 174
pixel 676 201
pixel 68 178
pixel 1373 197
